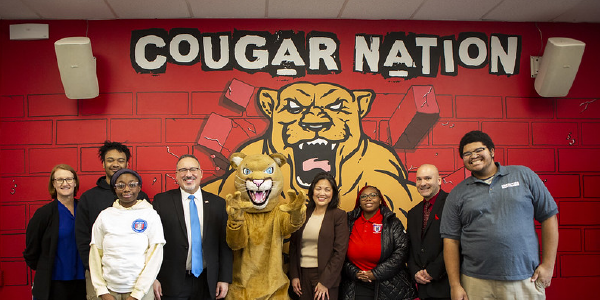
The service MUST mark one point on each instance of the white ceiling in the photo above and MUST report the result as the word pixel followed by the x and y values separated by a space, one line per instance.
pixel 464 10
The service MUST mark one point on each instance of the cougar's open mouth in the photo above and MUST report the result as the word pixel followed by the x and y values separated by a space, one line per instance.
pixel 259 198
pixel 313 157
pixel 259 190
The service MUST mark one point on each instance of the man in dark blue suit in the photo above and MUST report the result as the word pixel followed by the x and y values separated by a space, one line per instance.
pixel 426 257
pixel 176 279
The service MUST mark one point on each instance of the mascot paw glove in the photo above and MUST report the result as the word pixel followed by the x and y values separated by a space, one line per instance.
pixel 236 207
pixel 296 201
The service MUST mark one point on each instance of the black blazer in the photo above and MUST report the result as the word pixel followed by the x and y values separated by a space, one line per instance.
pixel 218 257
pixel 427 252
pixel 41 240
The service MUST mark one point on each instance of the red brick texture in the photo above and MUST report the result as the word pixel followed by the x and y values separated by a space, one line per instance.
pixel 478 107
pixel 12 107
pixel 163 103
pixel 51 105
pixel 107 104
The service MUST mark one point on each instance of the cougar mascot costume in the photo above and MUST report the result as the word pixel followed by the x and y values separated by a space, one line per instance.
pixel 258 221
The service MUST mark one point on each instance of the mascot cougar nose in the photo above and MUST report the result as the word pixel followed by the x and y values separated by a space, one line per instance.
pixel 316 126
pixel 258 182
pixel 316 119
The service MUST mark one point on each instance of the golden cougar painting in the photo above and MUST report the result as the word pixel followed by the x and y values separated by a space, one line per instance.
pixel 317 127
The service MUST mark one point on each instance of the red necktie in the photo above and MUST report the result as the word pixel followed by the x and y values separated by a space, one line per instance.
pixel 426 212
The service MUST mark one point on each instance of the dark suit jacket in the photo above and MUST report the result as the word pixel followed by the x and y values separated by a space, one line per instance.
pixel 218 256
pixel 332 246
pixel 41 240
pixel 427 252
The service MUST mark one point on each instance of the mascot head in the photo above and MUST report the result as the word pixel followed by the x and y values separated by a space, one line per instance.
pixel 259 179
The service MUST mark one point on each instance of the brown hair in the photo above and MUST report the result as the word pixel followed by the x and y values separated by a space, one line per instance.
pixel 65 167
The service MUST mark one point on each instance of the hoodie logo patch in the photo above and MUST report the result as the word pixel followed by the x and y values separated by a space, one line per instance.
pixel 139 225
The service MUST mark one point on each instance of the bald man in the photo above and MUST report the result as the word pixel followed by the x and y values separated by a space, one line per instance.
pixel 426 257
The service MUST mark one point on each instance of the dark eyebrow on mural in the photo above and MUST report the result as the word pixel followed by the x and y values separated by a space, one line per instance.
pixel 303 92
pixel 328 92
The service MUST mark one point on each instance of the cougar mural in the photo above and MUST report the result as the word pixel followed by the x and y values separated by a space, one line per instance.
pixel 317 127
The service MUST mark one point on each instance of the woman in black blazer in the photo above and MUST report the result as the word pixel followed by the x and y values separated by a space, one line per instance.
pixel 318 248
pixel 50 241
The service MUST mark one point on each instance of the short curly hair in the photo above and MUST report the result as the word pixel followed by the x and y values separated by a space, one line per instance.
pixel 473 137
pixel 108 145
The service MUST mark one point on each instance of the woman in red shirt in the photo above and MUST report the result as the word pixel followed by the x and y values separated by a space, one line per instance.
pixel 375 266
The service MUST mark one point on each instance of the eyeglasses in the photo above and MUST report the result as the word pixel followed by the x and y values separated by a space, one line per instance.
pixel 476 151
pixel 185 170
pixel 131 185
pixel 112 160
pixel 371 196
pixel 63 180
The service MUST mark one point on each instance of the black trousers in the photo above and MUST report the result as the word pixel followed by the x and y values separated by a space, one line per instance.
pixel 195 288
pixel 67 289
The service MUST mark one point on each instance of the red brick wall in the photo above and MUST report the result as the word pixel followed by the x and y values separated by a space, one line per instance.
pixel 160 117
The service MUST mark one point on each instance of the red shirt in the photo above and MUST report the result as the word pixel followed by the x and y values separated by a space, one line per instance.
pixel 431 201
pixel 364 248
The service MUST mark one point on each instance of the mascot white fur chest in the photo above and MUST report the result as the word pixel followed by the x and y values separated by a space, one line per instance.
pixel 257 224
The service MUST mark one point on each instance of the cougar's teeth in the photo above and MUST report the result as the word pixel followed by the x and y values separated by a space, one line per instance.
pixel 333 146
pixel 302 182
pixel 301 146
pixel 318 141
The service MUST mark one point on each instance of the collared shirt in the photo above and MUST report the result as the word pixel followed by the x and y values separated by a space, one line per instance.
pixel 431 201
pixel 364 248
pixel 67 264
pixel 186 213
pixel 494 223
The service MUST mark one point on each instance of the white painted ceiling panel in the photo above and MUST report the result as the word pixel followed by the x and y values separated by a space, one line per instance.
pixel 584 11
pixel 228 8
pixel 71 9
pixel 462 10
pixel 465 10
pixel 529 10
pixel 16 9
pixel 160 9
pixel 302 9
pixel 380 9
